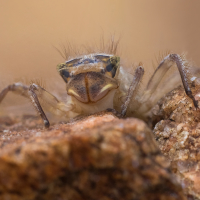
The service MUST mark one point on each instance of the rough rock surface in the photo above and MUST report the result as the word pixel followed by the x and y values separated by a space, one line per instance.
pixel 178 134
pixel 97 157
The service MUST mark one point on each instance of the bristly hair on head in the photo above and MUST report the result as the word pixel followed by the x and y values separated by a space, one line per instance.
pixel 70 51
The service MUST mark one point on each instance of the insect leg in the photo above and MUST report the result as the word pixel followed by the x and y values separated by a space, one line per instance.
pixel 51 103
pixel 39 96
pixel 173 81
pixel 163 67
pixel 139 72
pixel 37 105
pixel 26 91
pixel 17 88
pixel 183 73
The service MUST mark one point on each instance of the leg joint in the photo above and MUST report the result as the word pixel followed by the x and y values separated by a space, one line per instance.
pixel 33 87
pixel 174 57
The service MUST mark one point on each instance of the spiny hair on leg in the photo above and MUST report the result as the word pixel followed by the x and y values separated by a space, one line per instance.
pixel 26 81
pixel 158 58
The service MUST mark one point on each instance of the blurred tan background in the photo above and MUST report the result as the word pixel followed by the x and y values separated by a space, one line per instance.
pixel 30 29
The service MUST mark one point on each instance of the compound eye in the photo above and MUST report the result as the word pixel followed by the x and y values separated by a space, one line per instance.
pixel 109 67
pixel 111 70
pixel 112 66
pixel 65 75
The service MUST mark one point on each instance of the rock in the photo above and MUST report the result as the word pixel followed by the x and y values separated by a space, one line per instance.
pixel 97 157
pixel 177 132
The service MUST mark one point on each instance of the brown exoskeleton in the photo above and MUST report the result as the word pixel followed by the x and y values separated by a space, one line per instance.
pixel 96 82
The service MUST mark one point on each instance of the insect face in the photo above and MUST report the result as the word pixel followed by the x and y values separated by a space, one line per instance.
pixel 90 78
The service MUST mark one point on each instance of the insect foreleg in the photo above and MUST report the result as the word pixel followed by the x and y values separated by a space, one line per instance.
pixel 18 88
pixel 139 72
pixel 36 104
pixel 40 98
